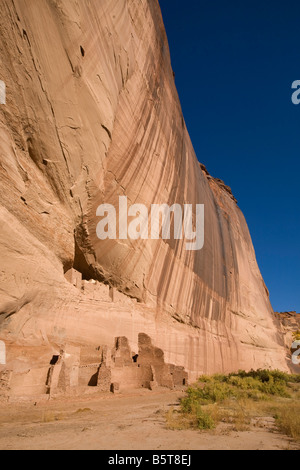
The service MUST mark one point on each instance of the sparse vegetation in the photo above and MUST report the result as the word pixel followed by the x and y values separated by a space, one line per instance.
pixel 241 400
pixel 296 335
pixel 288 419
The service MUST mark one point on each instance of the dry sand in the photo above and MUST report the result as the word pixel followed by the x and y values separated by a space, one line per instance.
pixel 134 421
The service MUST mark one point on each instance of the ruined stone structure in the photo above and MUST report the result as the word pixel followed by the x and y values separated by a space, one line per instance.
pixel 95 370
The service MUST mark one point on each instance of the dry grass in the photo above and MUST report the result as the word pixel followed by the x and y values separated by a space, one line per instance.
pixel 198 419
pixel 266 399
pixel 178 421
pixel 288 419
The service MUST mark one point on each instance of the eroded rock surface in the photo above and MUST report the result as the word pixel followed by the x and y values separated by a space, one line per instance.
pixel 290 328
pixel 92 113
pixel 89 370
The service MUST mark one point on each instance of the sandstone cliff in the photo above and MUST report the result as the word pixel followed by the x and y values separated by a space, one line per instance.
pixel 92 113
pixel 290 329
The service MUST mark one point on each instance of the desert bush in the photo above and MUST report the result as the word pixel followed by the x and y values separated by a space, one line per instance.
pixel 196 418
pixel 288 419
pixel 204 419
pixel 236 397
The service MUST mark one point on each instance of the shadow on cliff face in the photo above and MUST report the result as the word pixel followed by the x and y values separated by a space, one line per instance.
pixel 83 251
pixel 9 309
pixel 85 263
pixel 81 265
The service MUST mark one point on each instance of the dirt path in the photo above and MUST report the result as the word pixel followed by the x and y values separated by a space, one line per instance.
pixel 125 422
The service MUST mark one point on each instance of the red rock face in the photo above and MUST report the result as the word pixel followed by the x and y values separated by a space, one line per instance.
pixel 290 328
pixel 92 113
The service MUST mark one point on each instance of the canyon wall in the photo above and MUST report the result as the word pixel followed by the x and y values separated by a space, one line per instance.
pixel 92 114
pixel 290 328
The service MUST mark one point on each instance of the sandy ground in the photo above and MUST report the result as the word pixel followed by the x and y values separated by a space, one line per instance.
pixel 133 421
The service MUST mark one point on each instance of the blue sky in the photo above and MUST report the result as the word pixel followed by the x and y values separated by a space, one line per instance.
pixel 234 65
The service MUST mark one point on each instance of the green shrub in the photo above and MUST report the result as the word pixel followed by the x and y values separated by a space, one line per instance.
pixel 215 392
pixel 295 379
pixel 204 420
pixel 234 397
